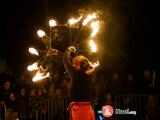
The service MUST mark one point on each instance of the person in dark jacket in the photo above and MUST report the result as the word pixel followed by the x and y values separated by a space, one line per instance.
pixel 22 104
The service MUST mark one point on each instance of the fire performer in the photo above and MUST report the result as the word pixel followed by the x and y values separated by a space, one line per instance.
pixel 79 69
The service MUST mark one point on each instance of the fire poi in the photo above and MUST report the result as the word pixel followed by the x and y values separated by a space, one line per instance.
pixel 87 19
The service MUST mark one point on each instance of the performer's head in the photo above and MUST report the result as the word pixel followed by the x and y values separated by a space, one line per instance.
pixel 81 63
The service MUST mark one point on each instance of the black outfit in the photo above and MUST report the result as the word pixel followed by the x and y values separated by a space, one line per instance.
pixel 22 107
pixel 5 96
pixel 79 86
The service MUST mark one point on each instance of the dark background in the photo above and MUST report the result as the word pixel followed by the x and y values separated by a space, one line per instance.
pixel 128 38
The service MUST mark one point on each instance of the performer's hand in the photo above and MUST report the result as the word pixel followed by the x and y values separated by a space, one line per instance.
pixel 52 52
pixel 72 49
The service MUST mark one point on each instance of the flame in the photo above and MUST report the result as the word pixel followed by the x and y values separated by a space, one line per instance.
pixel 52 23
pixel 96 64
pixel 74 21
pixel 92 46
pixel 89 18
pixel 95 28
pixel 32 67
pixel 40 76
pixel 41 33
pixel 33 51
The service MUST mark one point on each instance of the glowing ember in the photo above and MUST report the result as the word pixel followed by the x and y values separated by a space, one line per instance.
pixel 52 23
pixel 40 76
pixel 41 33
pixel 93 46
pixel 95 28
pixel 96 64
pixel 33 51
pixel 89 18
pixel 33 67
pixel 74 21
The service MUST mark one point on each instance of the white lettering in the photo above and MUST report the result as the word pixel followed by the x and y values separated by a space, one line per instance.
pixel 126 111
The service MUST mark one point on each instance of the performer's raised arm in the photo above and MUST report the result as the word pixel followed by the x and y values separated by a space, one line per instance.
pixel 67 60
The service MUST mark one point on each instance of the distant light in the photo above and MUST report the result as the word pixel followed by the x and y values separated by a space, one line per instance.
pixel 52 23
pixel 41 33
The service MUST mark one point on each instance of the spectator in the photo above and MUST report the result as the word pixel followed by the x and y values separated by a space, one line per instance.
pixel 59 93
pixel 22 104
pixel 65 86
pixel 127 104
pixel 51 91
pixel 41 102
pixel 32 104
pixel 51 99
pixel 100 89
pixel 147 81
pixel 115 84
pixel 152 110
pixel 13 102
pixel 108 99
pixel 131 83
pixel 59 104
pixel 6 94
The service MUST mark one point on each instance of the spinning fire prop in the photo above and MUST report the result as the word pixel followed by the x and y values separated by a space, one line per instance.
pixel 88 19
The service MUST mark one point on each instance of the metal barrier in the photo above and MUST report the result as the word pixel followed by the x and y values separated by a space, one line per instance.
pixel 2 111
pixel 56 110
pixel 142 104
pixel 7 113
pixel 146 106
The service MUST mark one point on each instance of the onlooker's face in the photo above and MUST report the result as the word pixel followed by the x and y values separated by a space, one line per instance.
pixel 22 92
pixel 33 92
pixel 130 77
pixel 126 100
pixel 147 74
pixel 12 97
pixel 115 76
pixel 51 92
pixel 39 92
pixel 58 92
pixel 108 97
pixel 151 101
pixel 151 98
pixel 7 85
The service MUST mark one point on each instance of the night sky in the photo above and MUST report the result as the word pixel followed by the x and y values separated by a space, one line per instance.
pixel 127 39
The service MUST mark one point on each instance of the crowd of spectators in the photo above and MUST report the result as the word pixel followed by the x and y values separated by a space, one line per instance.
pixel 26 98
